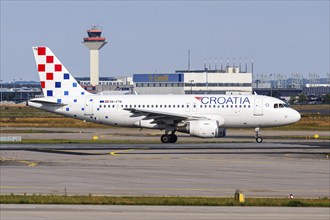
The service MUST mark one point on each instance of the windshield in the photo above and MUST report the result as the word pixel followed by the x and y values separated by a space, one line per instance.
pixel 281 105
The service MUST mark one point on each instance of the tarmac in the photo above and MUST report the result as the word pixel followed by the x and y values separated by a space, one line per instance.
pixel 191 169
pixel 287 162
pixel 87 212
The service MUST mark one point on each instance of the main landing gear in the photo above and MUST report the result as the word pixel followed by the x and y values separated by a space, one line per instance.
pixel 169 138
pixel 258 136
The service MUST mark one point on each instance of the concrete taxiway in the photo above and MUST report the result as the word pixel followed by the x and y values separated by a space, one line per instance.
pixel 196 169
pixel 81 212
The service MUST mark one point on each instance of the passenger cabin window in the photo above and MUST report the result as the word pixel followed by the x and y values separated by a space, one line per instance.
pixel 276 105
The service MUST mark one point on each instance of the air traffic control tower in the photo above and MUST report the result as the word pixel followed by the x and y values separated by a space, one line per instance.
pixel 94 42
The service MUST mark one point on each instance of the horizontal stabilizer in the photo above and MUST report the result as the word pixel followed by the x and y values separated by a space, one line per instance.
pixel 46 102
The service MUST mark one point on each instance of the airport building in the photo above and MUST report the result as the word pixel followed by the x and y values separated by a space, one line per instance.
pixel 94 42
pixel 316 89
pixel 228 81
pixel 107 84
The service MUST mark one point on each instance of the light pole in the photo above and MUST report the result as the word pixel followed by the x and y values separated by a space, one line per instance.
pixel 271 85
pixel 21 88
pixel 191 82
pixel 1 89
pixel 14 90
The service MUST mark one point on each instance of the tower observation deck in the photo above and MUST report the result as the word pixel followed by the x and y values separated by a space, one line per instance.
pixel 94 42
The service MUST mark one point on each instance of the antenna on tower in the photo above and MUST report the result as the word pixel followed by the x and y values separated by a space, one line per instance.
pixel 215 65
pixel 246 65
pixel 221 63
pixel 205 65
pixel 209 63
pixel 240 60
pixel 252 67
pixel 188 60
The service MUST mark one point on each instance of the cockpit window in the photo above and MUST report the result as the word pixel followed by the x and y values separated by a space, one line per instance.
pixel 281 105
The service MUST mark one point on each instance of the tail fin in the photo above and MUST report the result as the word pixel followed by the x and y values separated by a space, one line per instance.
pixel 55 79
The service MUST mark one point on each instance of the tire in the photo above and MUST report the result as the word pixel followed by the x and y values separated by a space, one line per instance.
pixel 259 139
pixel 165 138
pixel 173 138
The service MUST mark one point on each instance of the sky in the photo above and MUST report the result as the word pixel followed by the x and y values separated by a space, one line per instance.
pixel 281 37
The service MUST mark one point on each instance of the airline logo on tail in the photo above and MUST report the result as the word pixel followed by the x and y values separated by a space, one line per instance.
pixel 55 79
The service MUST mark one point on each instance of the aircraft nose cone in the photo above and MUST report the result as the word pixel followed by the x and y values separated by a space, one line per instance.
pixel 295 116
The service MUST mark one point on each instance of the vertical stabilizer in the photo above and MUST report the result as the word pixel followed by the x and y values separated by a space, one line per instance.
pixel 55 79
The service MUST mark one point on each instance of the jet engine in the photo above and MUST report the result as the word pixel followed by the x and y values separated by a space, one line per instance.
pixel 203 128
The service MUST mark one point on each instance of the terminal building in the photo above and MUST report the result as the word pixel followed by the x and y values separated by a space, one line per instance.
pixel 229 81
pixel 107 84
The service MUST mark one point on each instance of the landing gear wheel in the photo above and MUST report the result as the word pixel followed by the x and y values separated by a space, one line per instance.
pixel 165 138
pixel 168 138
pixel 259 139
pixel 173 138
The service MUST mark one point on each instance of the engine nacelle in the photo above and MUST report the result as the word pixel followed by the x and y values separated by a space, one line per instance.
pixel 203 128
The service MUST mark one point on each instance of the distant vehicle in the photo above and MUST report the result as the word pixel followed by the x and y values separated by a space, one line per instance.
pixel 205 116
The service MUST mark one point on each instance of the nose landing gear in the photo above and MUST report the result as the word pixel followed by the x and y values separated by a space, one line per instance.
pixel 258 136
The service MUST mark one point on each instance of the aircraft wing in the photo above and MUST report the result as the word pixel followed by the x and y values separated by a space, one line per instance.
pixel 162 117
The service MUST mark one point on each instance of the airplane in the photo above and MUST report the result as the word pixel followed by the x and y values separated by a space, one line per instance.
pixel 204 116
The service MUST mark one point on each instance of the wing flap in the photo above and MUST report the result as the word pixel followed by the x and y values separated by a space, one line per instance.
pixel 159 117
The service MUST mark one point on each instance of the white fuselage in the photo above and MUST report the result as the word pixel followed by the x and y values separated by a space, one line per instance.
pixel 237 111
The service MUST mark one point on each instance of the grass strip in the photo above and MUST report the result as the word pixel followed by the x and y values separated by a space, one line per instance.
pixel 159 201
pixel 66 141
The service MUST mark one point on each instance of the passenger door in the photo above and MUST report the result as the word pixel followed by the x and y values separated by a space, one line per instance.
pixel 88 106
